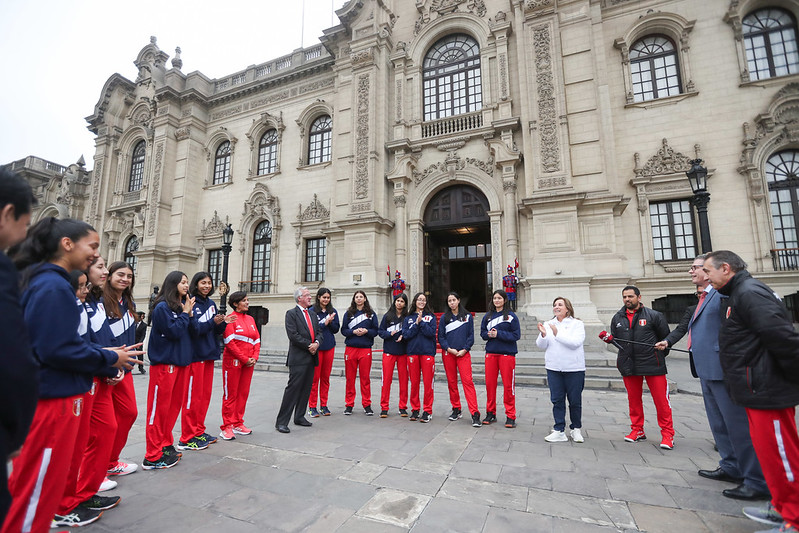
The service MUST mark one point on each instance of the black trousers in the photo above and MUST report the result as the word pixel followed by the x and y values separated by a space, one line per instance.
pixel 295 397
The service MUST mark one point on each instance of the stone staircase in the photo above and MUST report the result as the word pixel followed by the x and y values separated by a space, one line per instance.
pixel 600 362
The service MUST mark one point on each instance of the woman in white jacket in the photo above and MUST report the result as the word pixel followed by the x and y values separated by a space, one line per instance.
pixel 563 337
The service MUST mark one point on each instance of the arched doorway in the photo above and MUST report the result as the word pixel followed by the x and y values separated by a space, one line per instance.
pixel 458 248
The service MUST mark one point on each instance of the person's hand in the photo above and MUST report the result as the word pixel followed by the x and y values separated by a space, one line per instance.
pixel 662 345
pixel 492 333
pixel 329 318
pixel 452 351
pixel 127 356
pixel 460 353
pixel 542 329
pixel 218 319
pixel 399 339
pixel 250 362
pixel 231 318
pixel 313 347
pixel 116 379
pixel 554 329
pixel 188 305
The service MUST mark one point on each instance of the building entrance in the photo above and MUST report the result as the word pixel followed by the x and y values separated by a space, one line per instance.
pixel 458 248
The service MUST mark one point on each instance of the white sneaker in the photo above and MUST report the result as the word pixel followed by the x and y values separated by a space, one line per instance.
pixel 123 469
pixel 556 436
pixel 577 435
pixel 108 484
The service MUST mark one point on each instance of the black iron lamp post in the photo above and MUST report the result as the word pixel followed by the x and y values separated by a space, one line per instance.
pixel 697 175
pixel 224 288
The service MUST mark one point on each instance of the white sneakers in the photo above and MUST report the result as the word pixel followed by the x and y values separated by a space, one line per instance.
pixel 560 436
pixel 556 436
pixel 107 484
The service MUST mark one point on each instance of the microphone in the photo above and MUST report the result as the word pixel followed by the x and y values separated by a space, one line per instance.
pixel 607 338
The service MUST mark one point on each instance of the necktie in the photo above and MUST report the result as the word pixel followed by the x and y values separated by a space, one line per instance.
pixel 696 312
pixel 308 321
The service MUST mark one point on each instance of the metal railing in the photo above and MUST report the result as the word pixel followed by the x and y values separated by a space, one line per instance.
pixel 785 258
pixel 256 286
pixel 449 125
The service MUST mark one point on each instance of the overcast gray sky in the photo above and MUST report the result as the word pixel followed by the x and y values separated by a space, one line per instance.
pixel 57 54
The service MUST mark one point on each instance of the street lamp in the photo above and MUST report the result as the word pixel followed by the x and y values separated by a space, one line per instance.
pixel 224 288
pixel 697 176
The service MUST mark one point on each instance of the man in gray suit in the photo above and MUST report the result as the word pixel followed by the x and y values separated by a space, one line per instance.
pixel 304 333
pixel 728 421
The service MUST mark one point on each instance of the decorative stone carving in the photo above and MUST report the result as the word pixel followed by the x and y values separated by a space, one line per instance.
pixel 665 161
pixel 509 186
pixel 452 164
pixel 362 139
pixel 156 187
pixel 398 98
pixel 361 208
pixel 276 97
pixel 548 183
pixel 532 5
pixel 503 76
pixel 315 211
pixel 547 108
pixel 321 84
pixel 400 201
pixel 442 8
pixel 361 58
pixel 97 176
pixel 214 226
pixel 182 134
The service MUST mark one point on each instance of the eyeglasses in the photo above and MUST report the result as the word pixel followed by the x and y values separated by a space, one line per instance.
pixel 695 267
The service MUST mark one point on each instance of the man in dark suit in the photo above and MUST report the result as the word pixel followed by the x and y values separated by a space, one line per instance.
pixel 304 333
pixel 18 379
pixel 728 421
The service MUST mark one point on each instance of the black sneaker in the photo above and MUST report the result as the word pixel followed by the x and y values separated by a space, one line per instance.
pixel 165 461
pixel 171 451
pixel 313 413
pixel 100 503
pixel 383 414
pixel 510 423
pixel 368 410
pixel 193 444
pixel 79 516
pixel 426 417
pixel 490 418
pixel 403 413
pixel 348 410
pixel 456 414
pixel 325 411
pixel 205 437
pixel 476 420
pixel 414 415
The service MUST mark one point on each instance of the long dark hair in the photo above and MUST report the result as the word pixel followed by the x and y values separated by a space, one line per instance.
pixel 96 292
pixel 367 309
pixel 196 279
pixel 110 296
pixel 16 191
pixel 505 306
pixel 317 306
pixel 43 243
pixel 427 309
pixel 391 315
pixel 169 292
pixel 461 313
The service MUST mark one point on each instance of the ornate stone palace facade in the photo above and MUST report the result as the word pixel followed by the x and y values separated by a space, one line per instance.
pixel 447 138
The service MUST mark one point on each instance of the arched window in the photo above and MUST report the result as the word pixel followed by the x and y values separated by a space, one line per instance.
pixel 451 77
pixel 131 246
pixel 267 153
pixel 261 257
pixel 320 140
pixel 770 42
pixel 137 167
pixel 654 69
pixel 222 164
pixel 782 175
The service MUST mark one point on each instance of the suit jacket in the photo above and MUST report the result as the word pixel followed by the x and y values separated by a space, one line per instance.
pixel 300 337
pixel 704 329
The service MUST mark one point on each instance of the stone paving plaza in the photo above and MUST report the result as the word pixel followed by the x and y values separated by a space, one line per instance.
pixel 358 473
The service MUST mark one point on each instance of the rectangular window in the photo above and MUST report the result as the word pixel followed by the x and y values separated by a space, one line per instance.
pixel 215 266
pixel 315 259
pixel 673 235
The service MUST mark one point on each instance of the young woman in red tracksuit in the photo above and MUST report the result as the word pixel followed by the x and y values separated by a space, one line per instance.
pixel 359 327
pixel 209 323
pixel 120 310
pixel 67 362
pixel 242 346
pixel 394 353
pixel 328 319
pixel 98 425
pixel 170 354
pixel 456 337
pixel 501 329
pixel 419 331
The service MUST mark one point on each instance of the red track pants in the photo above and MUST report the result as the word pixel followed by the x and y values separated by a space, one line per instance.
pixel 499 364
pixel 776 444
pixel 236 379
pixel 358 361
pixel 164 400
pixel 124 396
pixel 401 361
pixel 463 365
pixel 197 399
pixel 424 366
pixel 69 499
pixel 40 471
pixel 659 388
pixel 321 379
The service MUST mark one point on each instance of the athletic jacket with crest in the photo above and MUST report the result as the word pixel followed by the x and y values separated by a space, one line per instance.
pixel 508 332
pixel 242 340
pixel 203 339
pixel 390 329
pixel 328 331
pixel 359 320
pixel 170 337
pixel 456 333
pixel 421 337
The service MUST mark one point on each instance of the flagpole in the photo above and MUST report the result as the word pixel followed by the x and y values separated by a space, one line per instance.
pixel 302 31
